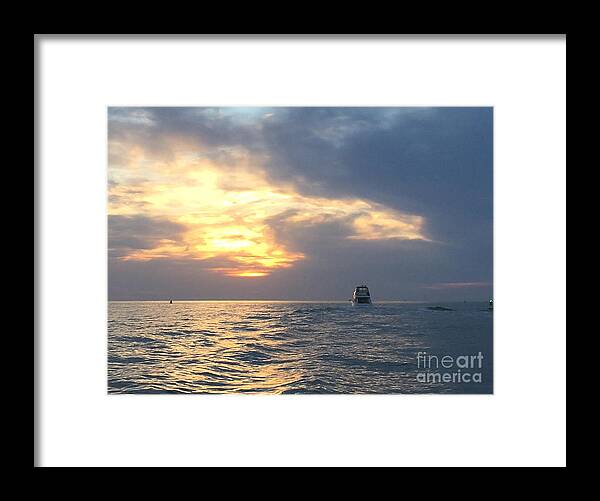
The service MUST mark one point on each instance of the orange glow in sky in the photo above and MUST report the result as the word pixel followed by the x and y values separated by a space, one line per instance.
pixel 229 211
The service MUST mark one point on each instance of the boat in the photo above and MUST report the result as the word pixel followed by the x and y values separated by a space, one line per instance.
pixel 361 295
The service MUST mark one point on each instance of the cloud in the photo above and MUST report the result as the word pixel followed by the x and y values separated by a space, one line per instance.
pixel 159 133
pixel 250 191
pixel 127 234
pixel 238 214
pixel 456 285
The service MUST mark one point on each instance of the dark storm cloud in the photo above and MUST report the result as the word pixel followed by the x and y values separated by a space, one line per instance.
pixel 429 160
pixel 434 162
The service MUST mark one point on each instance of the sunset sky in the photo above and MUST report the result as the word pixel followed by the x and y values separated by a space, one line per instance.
pixel 299 203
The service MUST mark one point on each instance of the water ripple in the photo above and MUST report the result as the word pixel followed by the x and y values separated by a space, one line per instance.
pixel 238 347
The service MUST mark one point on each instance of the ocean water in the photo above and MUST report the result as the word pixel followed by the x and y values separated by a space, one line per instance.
pixel 295 347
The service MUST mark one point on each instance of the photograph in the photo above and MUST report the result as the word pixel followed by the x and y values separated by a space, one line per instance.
pixel 300 250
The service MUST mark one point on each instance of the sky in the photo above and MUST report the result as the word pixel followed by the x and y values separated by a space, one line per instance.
pixel 300 203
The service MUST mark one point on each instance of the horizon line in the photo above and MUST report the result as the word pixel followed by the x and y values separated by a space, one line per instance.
pixel 294 300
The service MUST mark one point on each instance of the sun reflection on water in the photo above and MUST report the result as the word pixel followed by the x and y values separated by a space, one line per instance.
pixel 279 347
